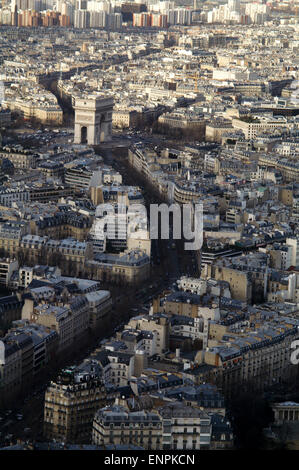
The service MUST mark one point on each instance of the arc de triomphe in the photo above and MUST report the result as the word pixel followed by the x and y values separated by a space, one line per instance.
pixel 93 119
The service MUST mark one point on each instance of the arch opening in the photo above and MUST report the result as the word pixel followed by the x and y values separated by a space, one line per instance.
pixel 83 135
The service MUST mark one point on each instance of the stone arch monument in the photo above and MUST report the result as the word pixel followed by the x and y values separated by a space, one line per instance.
pixel 93 119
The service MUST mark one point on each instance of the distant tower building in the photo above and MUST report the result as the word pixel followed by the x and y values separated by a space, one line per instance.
pixel 82 19
pixel 93 119
pixel 14 13
pixel 2 92
pixel 81 4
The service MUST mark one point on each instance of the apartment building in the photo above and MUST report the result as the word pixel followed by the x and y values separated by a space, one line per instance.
pixel 123 119
pixel 47 114
pixel 192 305
pixel 117 366
pixel 142 160
pixel 26 346
pixel 10 309
pixel 8 196
pixel 240 283
pixel 257 125
pixel 10 370
pixel 132 266
pixel 182 327
pixel 5 117
pixel 75 257
pixel 100 304
pixel 158 324
pixel 45 343
pixel 7 267
pixel 51 169
pixel 20 160
pixel 185 427
pixel 172 427
pixel 70 320
pixel 136 340
pixel 216 129
pixel 62 225
pixel 214 248
pixel 70 405
pixel 78 177
pixel 186 121
pixel 48 192
pixel 70 250
pixel 254 358
pixel 117 425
